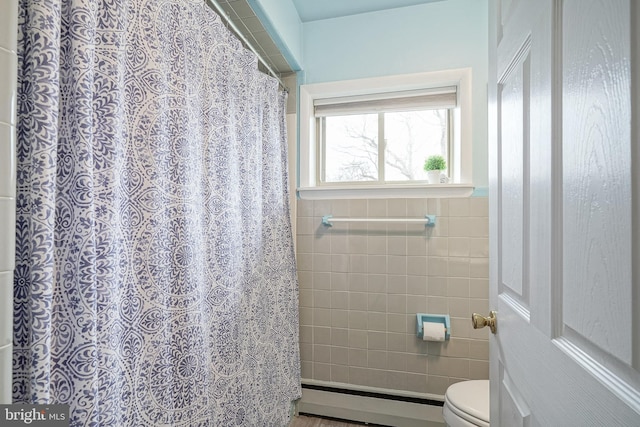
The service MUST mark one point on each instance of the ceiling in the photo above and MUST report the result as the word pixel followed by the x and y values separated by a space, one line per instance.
pixel 314 10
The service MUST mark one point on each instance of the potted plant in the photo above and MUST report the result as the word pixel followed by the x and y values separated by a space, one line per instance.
pixel 434 165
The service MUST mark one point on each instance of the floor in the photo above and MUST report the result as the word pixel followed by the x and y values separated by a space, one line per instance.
pixel 308 421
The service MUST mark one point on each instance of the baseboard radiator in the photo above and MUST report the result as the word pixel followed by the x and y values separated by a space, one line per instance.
pixel 370 405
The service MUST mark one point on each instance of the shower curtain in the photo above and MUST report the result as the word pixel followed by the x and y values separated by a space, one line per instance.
pixel 155 279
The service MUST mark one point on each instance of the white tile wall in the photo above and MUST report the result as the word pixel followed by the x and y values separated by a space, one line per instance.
pixel 362 284
pixel 6 361
pixel 8 90
pixel 7 233
pixel 6 308
pixel 9 24
pixel 7 161
pixel 8 70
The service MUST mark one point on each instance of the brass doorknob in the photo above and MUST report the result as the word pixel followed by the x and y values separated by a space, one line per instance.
pixel 480 321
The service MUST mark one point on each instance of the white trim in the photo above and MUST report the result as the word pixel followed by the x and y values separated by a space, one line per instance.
pixel 369 389
pixel 461 152
pixel 412 100
pixel 386 192
pixel 387 96
pixel 370 409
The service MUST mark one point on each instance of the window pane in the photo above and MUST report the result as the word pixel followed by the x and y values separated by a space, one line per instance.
pixel 410 138
pixel 351 148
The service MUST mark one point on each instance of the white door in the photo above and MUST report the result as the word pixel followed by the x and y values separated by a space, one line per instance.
pixel 564 106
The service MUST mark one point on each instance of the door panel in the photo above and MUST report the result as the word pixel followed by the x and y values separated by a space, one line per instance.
pixel 561 213
pixel 513 411
pixel 513 89
pixel 596 175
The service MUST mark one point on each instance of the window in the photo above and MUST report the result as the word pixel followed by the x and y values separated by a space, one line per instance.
pixel 370 138
pixel 383 138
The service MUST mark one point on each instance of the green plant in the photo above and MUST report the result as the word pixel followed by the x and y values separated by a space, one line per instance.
pixel 435 163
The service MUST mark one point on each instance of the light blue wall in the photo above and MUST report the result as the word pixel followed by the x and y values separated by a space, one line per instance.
pixel 280 19
pixel 430 37
pixel 427 37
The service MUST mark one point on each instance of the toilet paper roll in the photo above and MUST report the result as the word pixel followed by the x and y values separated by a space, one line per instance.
pixel 432 331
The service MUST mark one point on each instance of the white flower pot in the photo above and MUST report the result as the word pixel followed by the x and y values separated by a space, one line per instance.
pixel 433 177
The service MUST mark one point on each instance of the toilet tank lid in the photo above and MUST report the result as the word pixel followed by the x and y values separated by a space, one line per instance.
pixel 471 397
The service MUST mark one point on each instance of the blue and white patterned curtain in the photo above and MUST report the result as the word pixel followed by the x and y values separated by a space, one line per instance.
pixel 155 281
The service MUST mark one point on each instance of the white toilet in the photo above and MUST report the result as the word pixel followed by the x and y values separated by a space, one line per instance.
pixel 466 404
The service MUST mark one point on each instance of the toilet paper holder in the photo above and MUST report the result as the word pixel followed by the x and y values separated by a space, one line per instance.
pixel 433 318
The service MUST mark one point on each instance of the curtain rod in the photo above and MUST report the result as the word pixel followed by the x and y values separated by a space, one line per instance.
pixel 220 11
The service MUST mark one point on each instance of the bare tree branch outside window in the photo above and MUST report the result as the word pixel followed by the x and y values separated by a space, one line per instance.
pixel 352 146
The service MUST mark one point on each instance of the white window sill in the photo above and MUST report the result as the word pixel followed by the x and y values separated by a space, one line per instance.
pixel 426 191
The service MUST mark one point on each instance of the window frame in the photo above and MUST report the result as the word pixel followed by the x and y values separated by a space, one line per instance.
pixel 460 150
